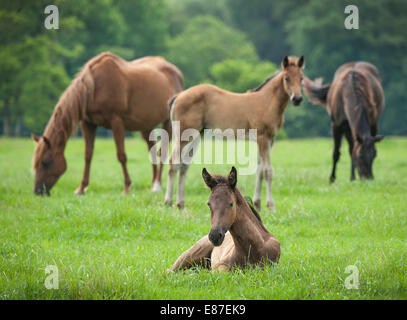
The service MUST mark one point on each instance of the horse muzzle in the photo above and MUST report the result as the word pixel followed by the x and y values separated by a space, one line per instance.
pixel 41 189
pixel 296 100
pixel 217 235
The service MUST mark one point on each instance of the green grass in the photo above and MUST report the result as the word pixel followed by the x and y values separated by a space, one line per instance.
pixel 110 246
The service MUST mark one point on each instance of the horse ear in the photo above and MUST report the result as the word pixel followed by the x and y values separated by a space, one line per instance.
pixel 233 178
pixel 35 138
pixel 301 62
pixel 209 181
pixel 378 138
pixel 284 63
pixel 47 142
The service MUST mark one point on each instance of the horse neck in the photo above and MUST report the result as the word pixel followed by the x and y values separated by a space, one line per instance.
pixel 276 98
pixel 247 231
pixel 355 107
pixel 63 122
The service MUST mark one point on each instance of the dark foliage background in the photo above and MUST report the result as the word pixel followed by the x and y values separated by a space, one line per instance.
pixel 235 44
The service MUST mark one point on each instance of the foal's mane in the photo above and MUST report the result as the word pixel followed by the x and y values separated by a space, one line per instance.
pixel 266 81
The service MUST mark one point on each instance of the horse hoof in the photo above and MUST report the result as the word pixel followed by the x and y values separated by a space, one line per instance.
pixel 156 187
pixel 181 205
pixel 79 192
pixel 257 205
pixel 270 204
pixel 168 202
pixel 331 179
pixel 126 191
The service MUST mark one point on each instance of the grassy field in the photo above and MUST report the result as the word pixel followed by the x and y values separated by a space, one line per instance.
pixel 110 246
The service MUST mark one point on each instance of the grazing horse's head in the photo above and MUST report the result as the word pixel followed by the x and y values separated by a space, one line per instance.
pixel 222 203
pixel 363 154
pixel 291 69
pixel 49 164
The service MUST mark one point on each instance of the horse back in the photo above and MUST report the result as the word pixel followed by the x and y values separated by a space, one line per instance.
pixel 353 83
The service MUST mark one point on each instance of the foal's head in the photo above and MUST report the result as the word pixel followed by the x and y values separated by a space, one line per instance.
pixel 291 69
pixel 363 154
pixel 49 164
pixel 222 203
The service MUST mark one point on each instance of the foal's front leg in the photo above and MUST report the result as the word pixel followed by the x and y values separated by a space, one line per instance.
pixel 264 152
pixel 198 255
pixel 89 134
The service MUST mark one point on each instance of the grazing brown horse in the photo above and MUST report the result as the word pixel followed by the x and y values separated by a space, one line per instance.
pixel 237 237
pixel 354 101
pixel 209 107
pixel 112 93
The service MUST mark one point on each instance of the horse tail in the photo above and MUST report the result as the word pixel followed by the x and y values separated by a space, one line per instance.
pixel 315 91
pixel 171 104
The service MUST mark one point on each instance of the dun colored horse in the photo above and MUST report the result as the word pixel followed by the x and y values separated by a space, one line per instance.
pixel 209 107
pixel 237 237
pixel 354 102
pixel 112 93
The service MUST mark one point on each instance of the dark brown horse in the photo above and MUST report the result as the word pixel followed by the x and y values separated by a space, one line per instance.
pixel 354 101
pixel 112 93
pixel 237 238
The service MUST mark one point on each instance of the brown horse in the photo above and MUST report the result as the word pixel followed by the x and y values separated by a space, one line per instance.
pixel 237 237
pixel 354 102
pixel 207 106
pixel 112 93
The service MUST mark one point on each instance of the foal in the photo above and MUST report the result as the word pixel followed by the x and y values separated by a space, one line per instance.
pixel 209 107
pixel 237 238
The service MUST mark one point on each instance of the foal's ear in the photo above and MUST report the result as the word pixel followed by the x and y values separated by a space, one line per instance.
pixel 232 178
pixel 209 181
pixel 35 138
pixel 301 62
pixel 284 63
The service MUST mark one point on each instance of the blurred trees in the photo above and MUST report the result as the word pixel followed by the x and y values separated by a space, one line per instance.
pixel 234 44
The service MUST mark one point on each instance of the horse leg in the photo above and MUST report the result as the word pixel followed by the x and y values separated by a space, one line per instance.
pixel 173 167
pixel 198 255
pixel 156 184
pixel 89 134
pixel 264 151
pixel 191 148
pixel 164 150
pixel 349 137
pixel 337 135
pixel 118 134
pixel 259 181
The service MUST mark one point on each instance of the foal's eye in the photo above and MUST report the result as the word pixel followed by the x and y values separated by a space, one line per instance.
pixel 209 205
pixel 287 79
pixel 231 204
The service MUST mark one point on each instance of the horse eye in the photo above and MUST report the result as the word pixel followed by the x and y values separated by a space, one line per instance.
pixel 209 205
pixel 47 163
pixel 231 204
pixel 287 79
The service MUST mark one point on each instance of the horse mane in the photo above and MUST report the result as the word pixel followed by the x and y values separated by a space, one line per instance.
pixel 71 107
pixel 265 81
pixel 356 80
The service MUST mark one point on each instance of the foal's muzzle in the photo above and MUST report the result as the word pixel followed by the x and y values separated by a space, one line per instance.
pixel 296 100
pixel 216 236
pixel 41 189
